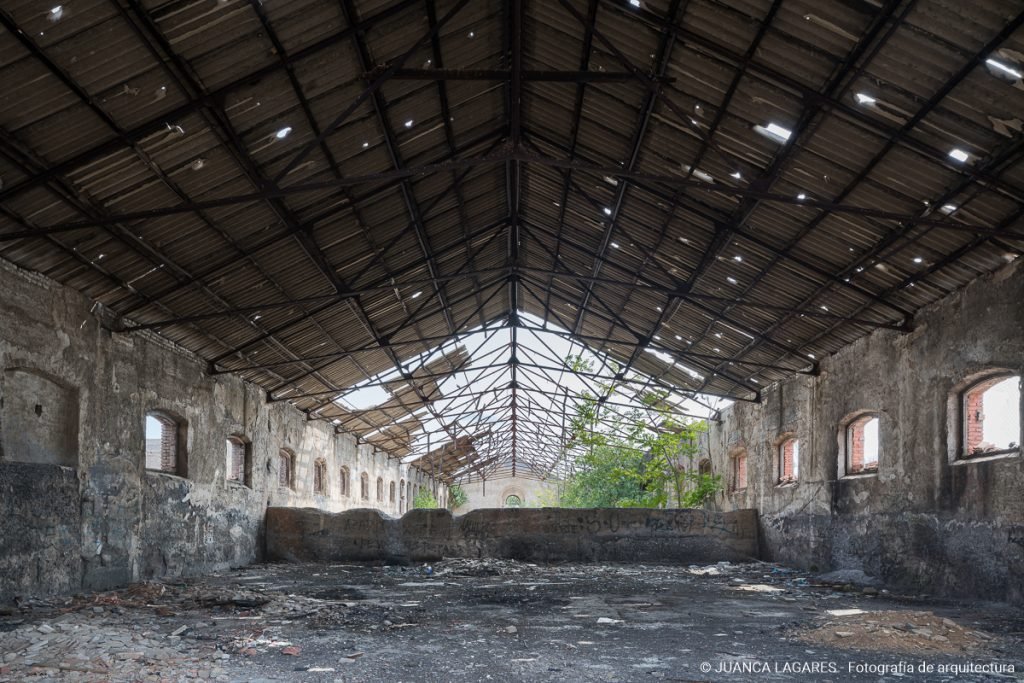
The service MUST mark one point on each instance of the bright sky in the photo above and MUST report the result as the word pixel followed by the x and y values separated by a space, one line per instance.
pixel 1001 405
pixel 542 391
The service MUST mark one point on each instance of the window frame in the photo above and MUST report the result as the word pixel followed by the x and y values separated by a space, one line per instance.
pixel 780 455
pixel 235 441
pixel 320 476
pixel 364 486
pixel 286 455
pixel 846 435
pixel 168 419
pixel 734 460
pixel 970 386
pixel 345 478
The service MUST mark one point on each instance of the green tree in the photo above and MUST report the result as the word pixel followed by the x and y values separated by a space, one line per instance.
pixel 633 458
pixel 456 497
pixel 424 500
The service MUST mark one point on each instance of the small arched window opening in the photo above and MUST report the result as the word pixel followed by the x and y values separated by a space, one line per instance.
pixel 364 486
pixel 862 444
pixel 380 490
pixel 789 460
pixel 239 455
pixel 165 443
pixel 344 483
pixel 513 501
pixel 391 492
pixel 990 416
pixel 286 469
pixel 704 468
pixel 401 495
pixel 320 477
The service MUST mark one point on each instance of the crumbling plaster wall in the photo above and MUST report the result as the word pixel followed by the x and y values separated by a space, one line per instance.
pixel 493 493
pixel 108 521
pixel 922 521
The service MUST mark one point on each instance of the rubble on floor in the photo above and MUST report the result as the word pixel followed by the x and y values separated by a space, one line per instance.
pixel 479 619
pixel 898 631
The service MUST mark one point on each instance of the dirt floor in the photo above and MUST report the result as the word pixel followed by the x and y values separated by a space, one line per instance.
pixel 499 620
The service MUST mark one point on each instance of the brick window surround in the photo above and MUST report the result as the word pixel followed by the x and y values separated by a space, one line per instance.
pixel 739 471
pixel 972 406
pixel 167 456
pixel 862 444
pixel 789 460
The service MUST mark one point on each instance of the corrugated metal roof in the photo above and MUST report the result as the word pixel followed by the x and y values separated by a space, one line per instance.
pixel 220 170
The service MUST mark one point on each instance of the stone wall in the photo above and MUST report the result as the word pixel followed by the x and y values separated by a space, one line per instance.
pixel 494 493
pixel 924 520
pixel 79 509
pixel 539 535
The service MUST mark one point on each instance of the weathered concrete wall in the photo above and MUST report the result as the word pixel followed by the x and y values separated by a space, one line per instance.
pixel 542 534
pixel 78 507
pixel 923 520
pixel 493 493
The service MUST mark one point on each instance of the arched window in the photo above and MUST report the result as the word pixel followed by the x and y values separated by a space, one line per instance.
pixel 320 477
pixel 401 496
pixel 239 467
pixel 513 501
pixel 380 490
pixel 391 492
pixel 704 467
pixel 165 443
pixel 789 460
pixel 364 486
pixel 344 481
pixel 990 416
pixel 862 444
pixel 286 469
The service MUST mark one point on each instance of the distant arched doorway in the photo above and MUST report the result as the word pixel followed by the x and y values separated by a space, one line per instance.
pixel 513 501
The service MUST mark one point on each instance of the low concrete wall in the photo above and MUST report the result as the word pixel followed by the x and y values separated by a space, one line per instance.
pixel 545 534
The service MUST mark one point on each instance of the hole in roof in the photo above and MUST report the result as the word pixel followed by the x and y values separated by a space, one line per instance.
pixel 472 34
pixel 282 133
pixel 948 208
pixel 416 294
pixel 775 132
pixel 732 280
pixel 802 196
pixel 864 98
pixel 736 174
pixel 607 211
pixel 408 124
pixel 737 257
pixel 615 245
pixel 365 144
pixel 56 13
pixel 636 3
pixel 959 155
pixel 918 259
pixel 1003 68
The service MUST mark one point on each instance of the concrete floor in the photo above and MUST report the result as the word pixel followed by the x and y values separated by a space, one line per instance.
pixel 469 620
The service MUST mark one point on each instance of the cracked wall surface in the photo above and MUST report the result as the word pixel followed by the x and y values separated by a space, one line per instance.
pixel 924 520
pixel 539 535
pixel 79 509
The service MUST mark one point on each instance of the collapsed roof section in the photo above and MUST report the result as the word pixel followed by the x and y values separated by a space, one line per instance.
pixel 314 194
